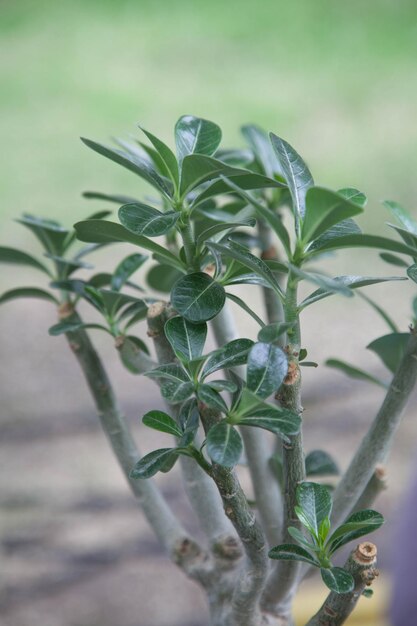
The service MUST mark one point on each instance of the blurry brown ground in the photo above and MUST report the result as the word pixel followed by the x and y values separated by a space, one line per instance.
pixel 76 550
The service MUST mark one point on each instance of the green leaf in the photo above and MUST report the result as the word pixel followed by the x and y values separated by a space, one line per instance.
pixel 354 372
pixel 320 463
pixel 259 142
pixel 198 169
pixel 393 260
pixel 316 504
pixel 69 327
pixel 221 228
pixel 402 215
pixel 125 269
pixel 51 234
pixel 158 420
pixel 223 385
pixel 17 257
pixel 267 368
pixel 409 238
pixel 187 339
pixel 337 579
pixel 99 231
pixel 356 525
pixel 230 355
pixel 163 277
pixel 296 173
pixel 378 309
pixel 245 307
pixel 142 219
pixel 272 332
pixel 169 371
pixel 135 164
pixel 240 253
pixel 412 272
pixel 176 385
pixel 117 199
pixel 390 349
pixel 113 301
pixel 341 283
pixel 366 241
pixel 343 228
pixel 168 157
pixel 324 209
pixel 154 462
pixel 368 593
pixel 354 195
pixel 194 135
pixel 244 180
pixel 292 552
pixel 299 537
pixel 224 444
pixel 198 297
pixel 278 421
pixel 134 355
pixel 27 292
pixel 211 398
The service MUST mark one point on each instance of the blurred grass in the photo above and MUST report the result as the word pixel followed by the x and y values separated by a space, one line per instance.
pixel 337 79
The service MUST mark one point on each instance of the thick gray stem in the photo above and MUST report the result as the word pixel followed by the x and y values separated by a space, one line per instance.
pixel 266 489
pixel 338 606
pixel 376 444
pixel 376 485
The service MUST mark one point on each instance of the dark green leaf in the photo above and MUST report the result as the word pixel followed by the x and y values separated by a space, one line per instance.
pixel 198 169
pixel 176 392
pixel 316 504
pixel 187 339
pixel 99 231
pixel 292 552
pixel 142 219
pixel 197 297
pixel 356 525
pixel 69 327
pixel 117 199
pixel 189 420
pixel 245 307
pixel 387 319
pixel 224 444
pixel 194 135
pixel 158 420
pixel 221 228
pixel 135 163
pixel 393 260
pixel 163 277
pixel 267 368
pixel 278 421
pixel 366 241
pixel 320 463
pixel 223 385
pixel 258 140
pixel 230 355
pixel 354 372
pixel 272 332
pixel 245 180
pixel 166 154
pixel 324 209
pixel 390 349
pixel 170 371
pixel 51 234
pixel 408 237
pixel 154 462
pixel 125 269
pixel 113 301
pixel 337 579
pixel 299 537
pixel 211 398
pixel 368 593
pixel 296 173
pixel 27 292
pixel 343 228
pixel 341 283
pixel 134 355
pixel 17 257
pixel 412 272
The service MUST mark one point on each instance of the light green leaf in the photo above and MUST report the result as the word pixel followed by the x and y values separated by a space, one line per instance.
pixel 343 228
pixel 198 297
pixel 324 209
pixel 245 307
pixel 390 349
pixel 187 339
pixel 315 502
pixel 224 444
pixel 158 420
pixel 292 552
pixel 245 180
pixel 320 463
pixel 267 368
pixel 341 283
pixel 142 219
pixel 194 135
pixel 230 355
pixel 366 241
pixel 154 462
pixel 354 195
pixel 299 537
pixel 166 154
pixel 337 579
pixel 17 257
pixel 354 372
pixel 402 215
pixel 99 231
pixel 296 173
pixel 272 332
pixel 52 235
pixel 259 142
pixel 356 525
pixel 27 292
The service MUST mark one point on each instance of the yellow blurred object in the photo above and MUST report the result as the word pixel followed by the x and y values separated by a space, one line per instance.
pixel 369 612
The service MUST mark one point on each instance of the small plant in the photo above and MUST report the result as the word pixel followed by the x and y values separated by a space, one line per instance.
pixel 247 216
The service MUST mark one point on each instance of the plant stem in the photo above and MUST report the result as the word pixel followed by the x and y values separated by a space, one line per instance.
pixel 273 305
pixel 338 606
pixel 266 490
pixel 160 517
pixel 282 582
pixel 245 601
pixel 376 444
pixel 201 491
pixel 376 485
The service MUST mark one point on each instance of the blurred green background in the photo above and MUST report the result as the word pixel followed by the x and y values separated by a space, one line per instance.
pixel 336 79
